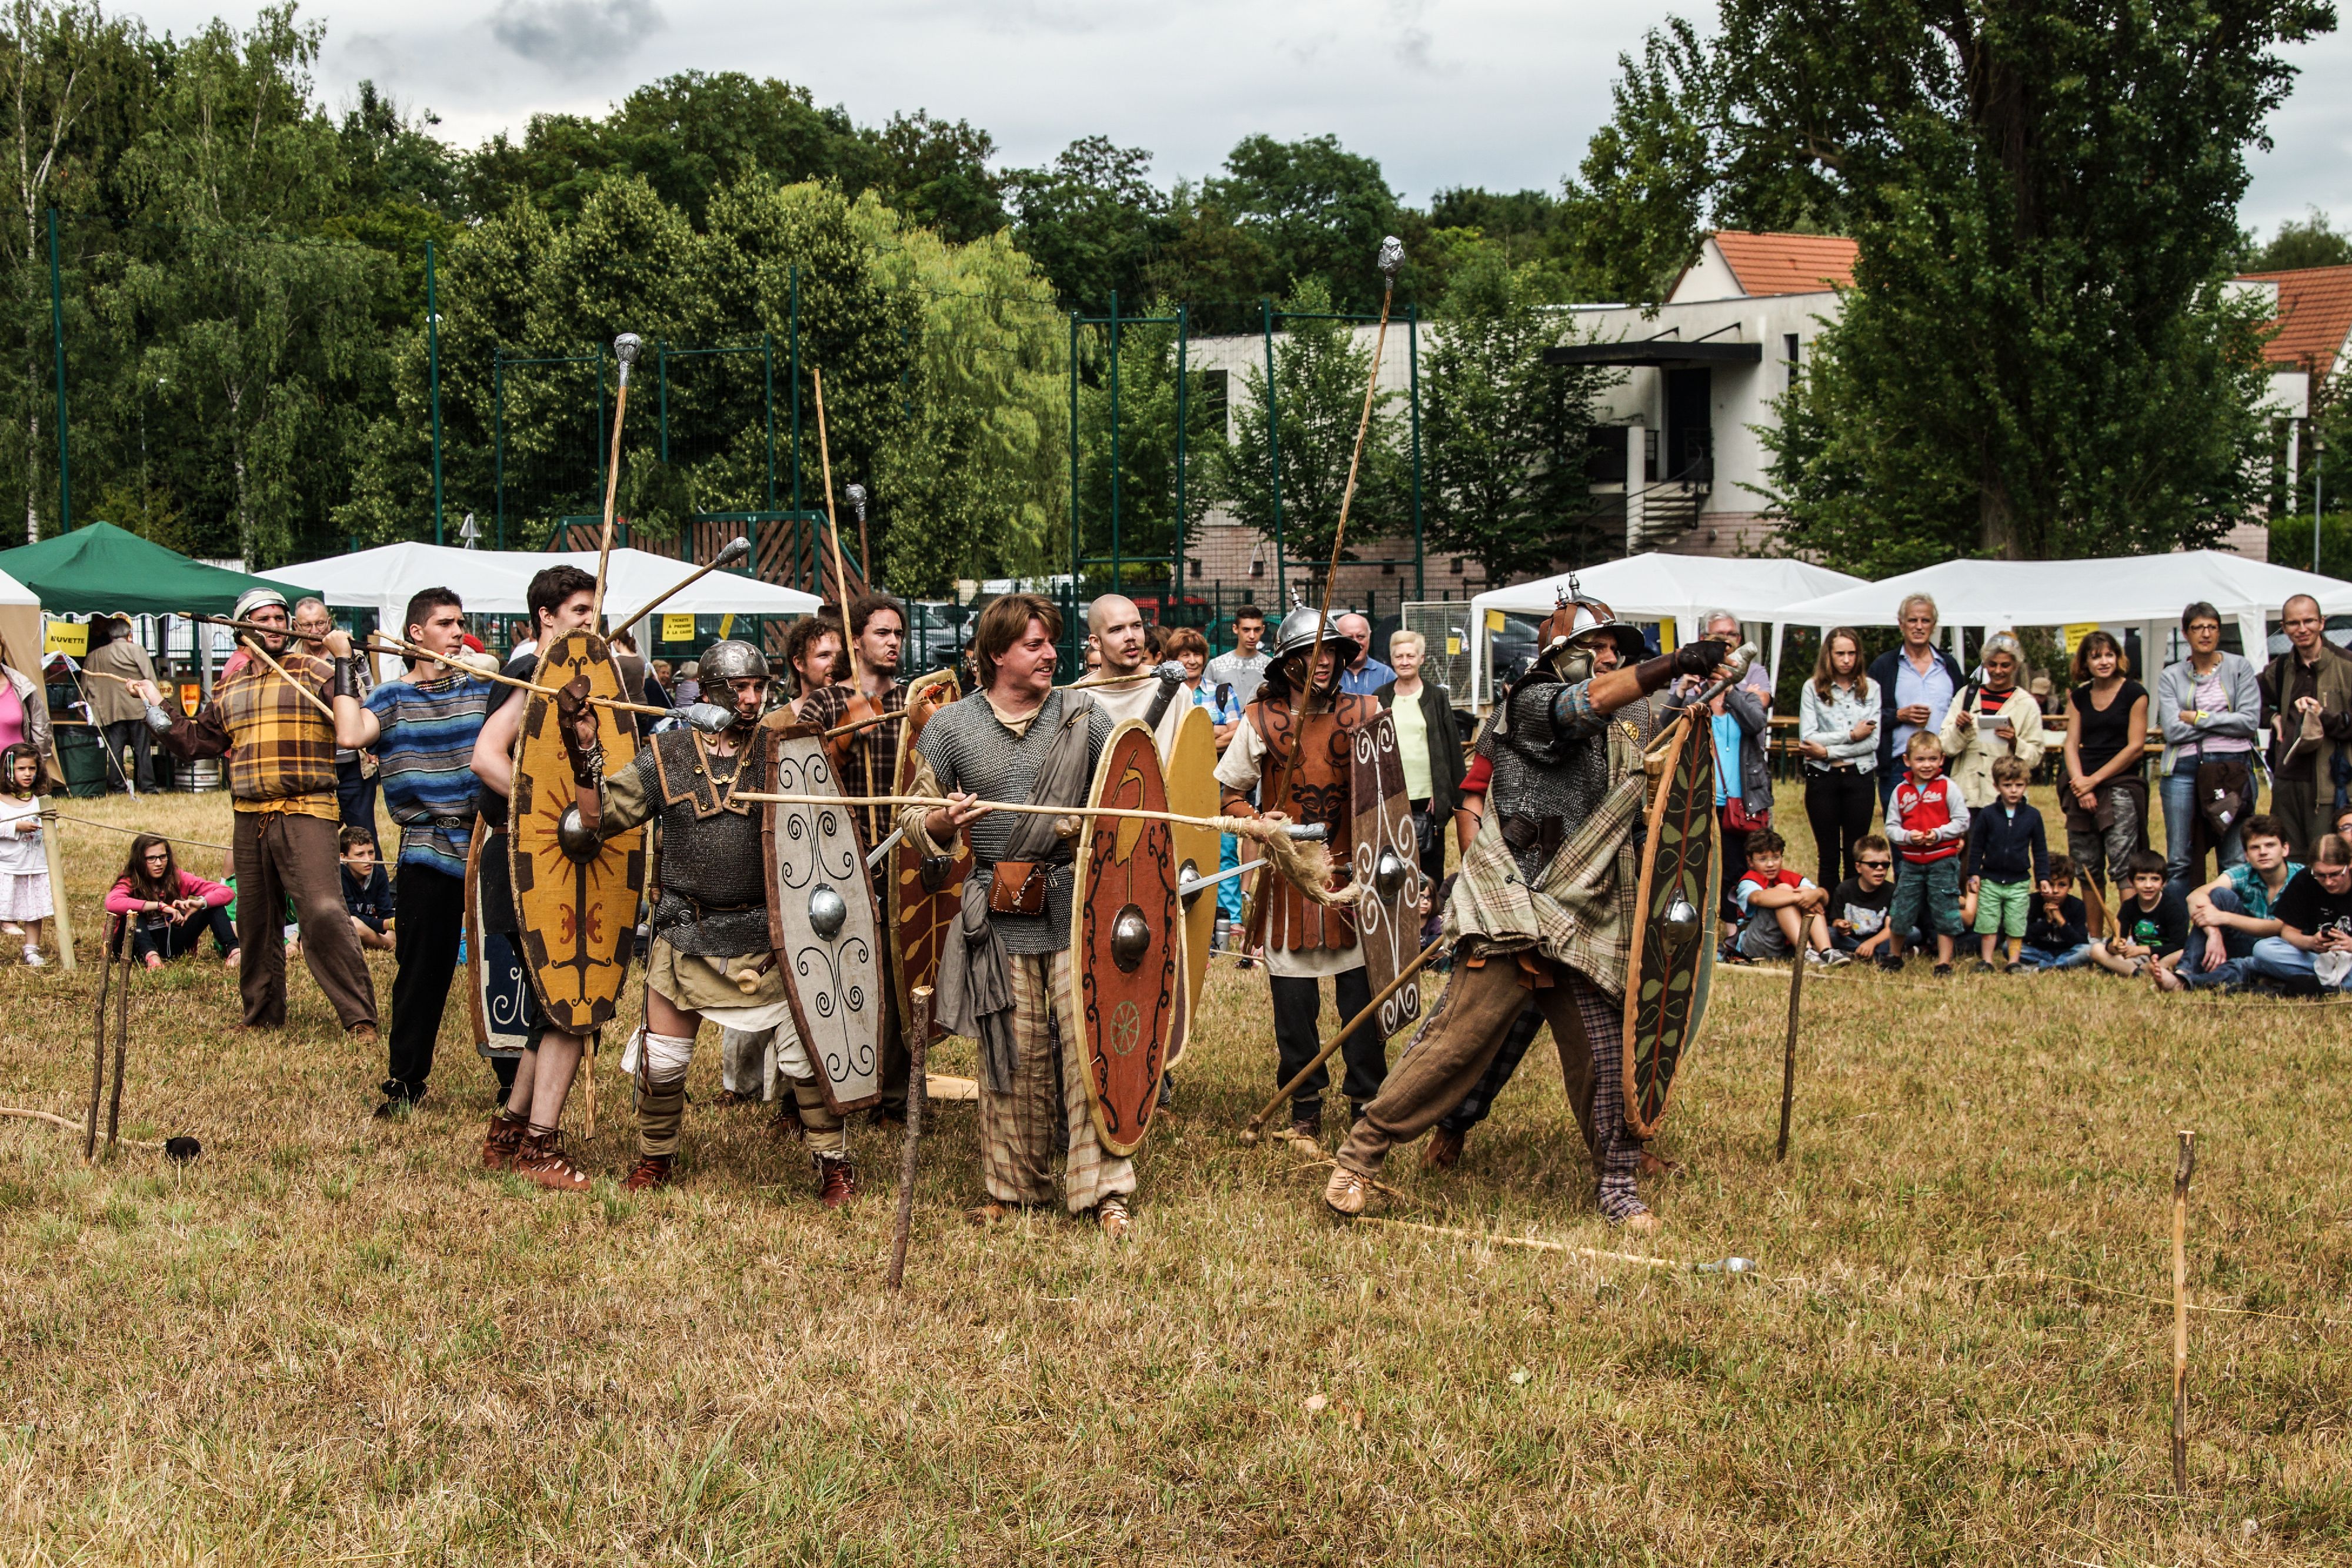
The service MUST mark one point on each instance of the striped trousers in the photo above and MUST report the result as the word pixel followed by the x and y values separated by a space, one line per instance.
pixel 1019 1130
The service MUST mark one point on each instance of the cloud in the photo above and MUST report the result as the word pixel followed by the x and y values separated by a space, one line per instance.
pixel 573 36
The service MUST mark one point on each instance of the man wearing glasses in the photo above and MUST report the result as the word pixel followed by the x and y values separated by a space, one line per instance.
pixel 2313 946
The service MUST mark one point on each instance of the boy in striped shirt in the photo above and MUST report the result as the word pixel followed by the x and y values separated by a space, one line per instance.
pixel 422 729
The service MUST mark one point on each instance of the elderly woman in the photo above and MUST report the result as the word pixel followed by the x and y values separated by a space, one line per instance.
pixel 1996 719
pixel 2210 705
pixel 1429 744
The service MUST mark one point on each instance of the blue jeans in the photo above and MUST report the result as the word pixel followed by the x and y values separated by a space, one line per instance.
pixel 2073 957
pixel 2237 947
pixel 2276 958
pixel 1229 891
pixel 2179 797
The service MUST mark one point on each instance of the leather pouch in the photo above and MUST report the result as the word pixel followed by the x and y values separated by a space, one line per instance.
pixel 1018 887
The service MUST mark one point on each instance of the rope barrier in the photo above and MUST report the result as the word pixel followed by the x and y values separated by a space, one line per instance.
pixel 131 832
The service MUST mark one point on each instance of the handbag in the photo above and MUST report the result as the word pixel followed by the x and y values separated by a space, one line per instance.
pixel 1740 819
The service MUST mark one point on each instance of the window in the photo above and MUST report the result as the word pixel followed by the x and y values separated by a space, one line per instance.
pixel 1790 344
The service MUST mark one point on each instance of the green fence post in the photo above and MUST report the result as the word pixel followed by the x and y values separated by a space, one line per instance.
pixel 792 355
pixel 1274 451
pixel 768 371
pixel 1116 575
pixel 499 438
pixel 432 359
pixel 57 343
pixel 1074 447
pixel 661 374
pixel 1182 333
pixel 1412 362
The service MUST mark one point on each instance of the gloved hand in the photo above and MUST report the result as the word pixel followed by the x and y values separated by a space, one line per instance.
pixel 1699 658
pixel 581 741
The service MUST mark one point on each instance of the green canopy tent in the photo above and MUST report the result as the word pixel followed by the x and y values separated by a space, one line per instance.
pixel 103 569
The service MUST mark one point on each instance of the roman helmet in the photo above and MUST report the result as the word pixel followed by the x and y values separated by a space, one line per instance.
pixel 1578 621
pixel 1295 638
pixel 726 662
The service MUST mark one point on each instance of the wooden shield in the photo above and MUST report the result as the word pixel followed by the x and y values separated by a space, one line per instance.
pixel 1386 859
pixel 1192 789
pixel 496 979
pixel 823 926
pixel 1673 960
pixel 1124 940
pixel 579 916
pixel 923 908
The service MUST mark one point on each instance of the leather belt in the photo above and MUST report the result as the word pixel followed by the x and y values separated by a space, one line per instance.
pixel 1525 833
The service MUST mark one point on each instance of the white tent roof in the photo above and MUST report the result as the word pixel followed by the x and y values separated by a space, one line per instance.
pixel 1661 587
pixel 494 582
pixel 2146 591
pixel 15 593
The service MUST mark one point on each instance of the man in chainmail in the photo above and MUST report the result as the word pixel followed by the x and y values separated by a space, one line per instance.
pixel 712 957
pixel 1005 976
pixel 1543 908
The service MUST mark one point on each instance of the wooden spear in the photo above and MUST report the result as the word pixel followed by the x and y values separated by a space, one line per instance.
pixel 918 1041
pixel 737 548
pixel 1789 1048
pixel 1249 1133
pixel 625 349
pixel 384 642
pixel 2185 1162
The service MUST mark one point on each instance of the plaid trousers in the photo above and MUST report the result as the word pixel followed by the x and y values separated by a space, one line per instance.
pixel 1460 1039
pixel 1017 1130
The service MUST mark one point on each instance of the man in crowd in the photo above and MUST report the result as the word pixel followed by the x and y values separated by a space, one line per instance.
pixel 869 765
pixel 114 707
pixel 2314 944
pixel 1367 672
pixel 1245 667
pixel 1916 685
pixel 355 784
pixel 523 1135
pixel 1536 912
pixel 2307 698
pixel 270 722
pixel 422 728
pixel 1005 980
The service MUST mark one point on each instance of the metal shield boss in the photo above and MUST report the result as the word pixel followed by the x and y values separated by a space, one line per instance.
pixel 1125 939
pixel 1386 863
pixel 1672 966
pixel 575 896
pixel 1193 791
pixel 925 898
pixel 823 924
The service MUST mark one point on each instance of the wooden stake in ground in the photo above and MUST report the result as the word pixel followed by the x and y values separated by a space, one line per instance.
pixel 1789 1050
pixel 2185 1162
pixel 1249 1133
pixel 919 1039
pixel 98 1049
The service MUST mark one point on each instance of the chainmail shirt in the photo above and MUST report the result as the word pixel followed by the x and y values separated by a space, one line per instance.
pixel 712 866
pixel 1547 768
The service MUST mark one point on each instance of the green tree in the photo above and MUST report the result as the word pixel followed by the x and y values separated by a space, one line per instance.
pixel 1286 468
pixel 2308 241
pixel 1504 436
pixel 1150 522
pixel 2040 356
pixel 1092 221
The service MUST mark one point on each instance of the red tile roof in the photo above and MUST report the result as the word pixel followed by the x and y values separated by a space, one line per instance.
pixel 2315 316
pixel 1787 263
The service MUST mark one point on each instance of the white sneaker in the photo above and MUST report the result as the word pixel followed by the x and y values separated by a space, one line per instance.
pixel 33 959
pixel 1834 957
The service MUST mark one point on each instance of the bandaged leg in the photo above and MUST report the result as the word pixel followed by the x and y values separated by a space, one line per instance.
pixel 1596 1085
pixel 661 1092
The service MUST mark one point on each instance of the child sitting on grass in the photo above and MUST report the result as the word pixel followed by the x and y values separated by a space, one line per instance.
pixel 2057 926
pixel 2152 922
pixel 1858 910
pixel 25 896
pixel 2008 854
pixel 2230 913
pixel 367 892
pixel 1927 823
pixel 1781 911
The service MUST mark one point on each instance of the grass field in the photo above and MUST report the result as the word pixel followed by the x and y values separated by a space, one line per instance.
pixel 336 1340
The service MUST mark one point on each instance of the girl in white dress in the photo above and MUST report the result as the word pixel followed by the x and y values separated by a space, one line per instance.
pixel 24 864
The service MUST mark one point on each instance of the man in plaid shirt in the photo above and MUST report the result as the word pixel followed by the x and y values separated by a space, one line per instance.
pixel 281 780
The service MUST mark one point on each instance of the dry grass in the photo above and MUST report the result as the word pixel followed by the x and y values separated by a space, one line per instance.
pixel 333 1339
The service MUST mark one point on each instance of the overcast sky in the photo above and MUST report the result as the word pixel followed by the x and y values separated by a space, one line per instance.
pixel 1501 93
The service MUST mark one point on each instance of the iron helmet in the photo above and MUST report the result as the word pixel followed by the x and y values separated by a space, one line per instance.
pixel 1580 620
pixel 731 660
pixel 1296 634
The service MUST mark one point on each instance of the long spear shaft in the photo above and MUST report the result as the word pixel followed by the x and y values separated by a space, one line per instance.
pixel 385 643
pixel 1249 1133
pixel 308 695
pixel 1789 1048
pixel 1018 808
pixel 736 549
pixel 833 525
pixel 625 349
pixel 918 1093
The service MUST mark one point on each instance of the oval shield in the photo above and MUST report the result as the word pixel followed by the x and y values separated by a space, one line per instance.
pixel 1671 964
pixel 575 898
pixel 1386 858
pixel 1192 789
pixel 925 899
pixel 496 982
pixel 822 922
pixel 1124 940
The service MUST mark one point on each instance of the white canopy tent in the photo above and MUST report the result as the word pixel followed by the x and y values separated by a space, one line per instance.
pixel 494 582
pixel 20 623
pixel 2145 592
pixel 1661 587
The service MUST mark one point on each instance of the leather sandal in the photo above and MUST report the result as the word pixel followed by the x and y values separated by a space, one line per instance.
pixel 652 1173
pixel 1444 1150
pixel 1344 1194
pixel 1112 1216
pixel 837 1182
pixel 540 1160
pixel 503 1142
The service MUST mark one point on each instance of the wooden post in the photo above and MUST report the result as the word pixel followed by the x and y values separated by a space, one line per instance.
pixel 97 1066
pixel 919 1039
pixel 1789 1050
pixel 122 1043
pixel 60 907
pixel 2185 1162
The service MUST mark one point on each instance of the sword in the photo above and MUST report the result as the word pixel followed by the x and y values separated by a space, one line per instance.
pixel 874 856
pixel 1189 888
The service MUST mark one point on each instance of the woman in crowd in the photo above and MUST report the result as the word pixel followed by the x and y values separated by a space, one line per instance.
pixel 1837 731
pixel 24 707
pixel 2106 794
pixel 813 653
pixel 2210 705
pixel 1997 718
pixel 1742 720
pixel 170 908
pixel 1430 745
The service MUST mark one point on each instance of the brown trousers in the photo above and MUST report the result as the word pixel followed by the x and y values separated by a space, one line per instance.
pixel 282 856
pixel 1456 1044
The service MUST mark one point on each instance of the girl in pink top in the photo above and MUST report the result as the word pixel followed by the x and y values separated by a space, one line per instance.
pixel 169 908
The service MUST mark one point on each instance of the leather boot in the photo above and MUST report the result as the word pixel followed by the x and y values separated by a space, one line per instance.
pixel 1444 1150
pixel 837 1182
pixel 503 1142
pixel 540 1160
pixel 652 1173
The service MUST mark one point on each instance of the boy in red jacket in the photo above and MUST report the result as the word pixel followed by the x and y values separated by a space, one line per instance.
pixel 1927 823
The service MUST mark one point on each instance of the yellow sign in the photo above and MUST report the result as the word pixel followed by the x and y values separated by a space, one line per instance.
pixel 678 628
pixel 726 625
pixel 2077 631
pixel 1494 620
pixel 1453 645
pixel 66 638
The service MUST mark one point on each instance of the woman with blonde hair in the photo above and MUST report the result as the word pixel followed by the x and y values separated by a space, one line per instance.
pixel 1997 717
pixel 1837 734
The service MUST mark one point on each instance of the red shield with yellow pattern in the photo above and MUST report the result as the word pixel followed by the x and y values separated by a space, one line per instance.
pixel 1124 942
